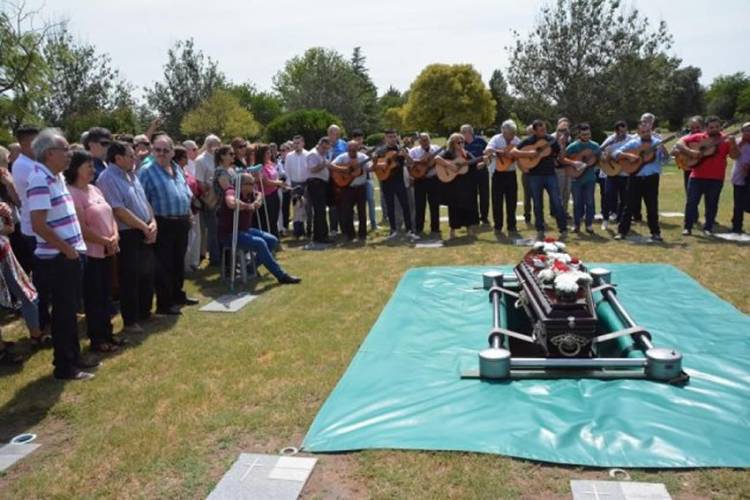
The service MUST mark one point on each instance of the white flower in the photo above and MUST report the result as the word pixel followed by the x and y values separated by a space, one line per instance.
pixel 567 282
pixel 546 275
pixel 538 245
pixel 584 277
pixel 550 247
pixel 560 245
pixel 562 257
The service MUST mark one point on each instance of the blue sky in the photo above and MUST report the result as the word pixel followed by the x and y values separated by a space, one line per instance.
pixel 251 40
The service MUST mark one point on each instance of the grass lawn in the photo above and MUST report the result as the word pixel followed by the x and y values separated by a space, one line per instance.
pixel 167 417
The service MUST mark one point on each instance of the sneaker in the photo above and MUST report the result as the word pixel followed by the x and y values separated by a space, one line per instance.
pixel 619 236
pixel 394 234
pixel 589 229
pixel 287 279
pixel 134 328
pixel 687 232
pixel 605 225
pixel 576 229
pixel 656 237
pixel 76 375
pixel 413 236
pixel 87 364
pixel 708 233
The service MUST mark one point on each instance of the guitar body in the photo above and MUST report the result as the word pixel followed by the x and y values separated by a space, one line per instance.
pixel 447 174
pixel 609 166
pixel 541 147
pixel 707 147
pixel 343 179
pixel 504 161
pixel 646 154
pixel 385 165
pixel 587 156
pixel 420 168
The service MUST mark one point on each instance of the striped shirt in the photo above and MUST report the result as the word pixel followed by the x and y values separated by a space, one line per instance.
pixel 169 195
pixel 47 191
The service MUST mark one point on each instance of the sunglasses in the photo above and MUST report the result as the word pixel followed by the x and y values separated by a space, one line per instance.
pixel 162 150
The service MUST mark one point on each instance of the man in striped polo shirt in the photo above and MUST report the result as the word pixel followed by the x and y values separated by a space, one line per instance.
pixel 58 250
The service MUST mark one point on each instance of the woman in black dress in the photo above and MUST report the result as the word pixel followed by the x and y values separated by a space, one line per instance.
pixel 460 194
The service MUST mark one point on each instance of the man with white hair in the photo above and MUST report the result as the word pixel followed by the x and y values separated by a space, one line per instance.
pixel 205 165
pixel 504 184
pixel 59 248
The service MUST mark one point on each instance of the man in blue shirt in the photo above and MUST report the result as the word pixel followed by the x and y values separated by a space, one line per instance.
pixel 614 186
pixel 97 142
pixel 582 186
pixel 644 184
pixel 169 196
pixel 476 146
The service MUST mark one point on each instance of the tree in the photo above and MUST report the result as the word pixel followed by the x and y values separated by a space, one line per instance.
pixel 503 100
pixel 394 118
pixel 83 88
pixel 220 114
pixel 323 79
pixel 592 60
pixel 189 79
pixel 368 92
pixel 23 70
pixel 685 98
pixel 723 93
pixel 392 98
pixel 743 103
pixel 265 106
pixel 444 96
pixel 312 124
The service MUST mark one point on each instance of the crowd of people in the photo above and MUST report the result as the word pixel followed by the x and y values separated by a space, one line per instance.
pixel 117 216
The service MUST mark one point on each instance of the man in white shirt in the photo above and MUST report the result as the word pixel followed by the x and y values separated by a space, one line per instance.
pixel 317 188
pixel 295 165
pixel 353 194
pixel 204 173
pixel 427 188
pixel 505 183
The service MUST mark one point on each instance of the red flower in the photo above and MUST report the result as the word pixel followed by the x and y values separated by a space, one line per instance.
pixel 542 257
pixel 560 266
pixel 549 239
pixel 575 260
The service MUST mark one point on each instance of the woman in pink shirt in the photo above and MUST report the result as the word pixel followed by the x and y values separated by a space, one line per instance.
pixel 102 243
pixel 271 185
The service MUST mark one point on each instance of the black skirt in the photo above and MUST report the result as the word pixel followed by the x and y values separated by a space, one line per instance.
pixel 461 197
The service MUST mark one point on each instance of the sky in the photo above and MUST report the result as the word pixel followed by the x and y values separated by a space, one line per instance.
pixel 252 39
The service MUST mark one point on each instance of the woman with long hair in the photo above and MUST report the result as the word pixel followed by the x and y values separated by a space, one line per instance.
pixel 460 193
pixel 269 177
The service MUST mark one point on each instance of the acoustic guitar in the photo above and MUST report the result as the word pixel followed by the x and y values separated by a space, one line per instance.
pixel 707 147
pixel 448 170
pixel 386 164
pixel 542 148
pixel 342 178
pixel 587 156
pixel 504 160
pixel 645 154
pixel 420 167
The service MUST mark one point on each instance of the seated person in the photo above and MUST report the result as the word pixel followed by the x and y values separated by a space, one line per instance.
pixel 249 238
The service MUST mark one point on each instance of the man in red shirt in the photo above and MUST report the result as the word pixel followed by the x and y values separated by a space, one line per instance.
pixel 707 177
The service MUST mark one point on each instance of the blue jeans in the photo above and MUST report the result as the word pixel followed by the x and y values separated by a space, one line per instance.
pixel 698 188
pixel 371 204
pixel 583 201
pixel 261 244
pixel 615 190
pixel 537 185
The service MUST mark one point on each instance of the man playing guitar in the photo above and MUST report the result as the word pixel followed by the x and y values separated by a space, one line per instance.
pixel 393 187
pixel 707 177
pixel 426 189
pixel 543 177
pixel 740 181
pixel 475 145
pixel 504 183
pixel 583 179
pixel 615 186
pixel 350 162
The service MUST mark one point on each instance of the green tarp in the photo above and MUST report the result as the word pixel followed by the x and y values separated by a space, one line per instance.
pixel 403 388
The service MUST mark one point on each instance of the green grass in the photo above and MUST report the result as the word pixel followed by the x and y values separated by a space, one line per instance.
pixel 166 417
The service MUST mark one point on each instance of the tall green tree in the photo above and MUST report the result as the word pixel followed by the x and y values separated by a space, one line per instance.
pixel 312 124
pixel 265 106
pixel 220 114
pixel 189 79
pixel 724 92
pixel 368 92
pixel 503 100
pixel 686 96
pixel 444 96
pixel 83 87
pixel 592 60
pixel 323 79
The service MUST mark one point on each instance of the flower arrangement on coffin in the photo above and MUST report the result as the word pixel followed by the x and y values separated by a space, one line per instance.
pixel 556 269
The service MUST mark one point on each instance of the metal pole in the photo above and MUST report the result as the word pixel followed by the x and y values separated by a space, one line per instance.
pixel 496 339
pixel 263 192
pixel 610 296
pixel 527 363
pixel 235 226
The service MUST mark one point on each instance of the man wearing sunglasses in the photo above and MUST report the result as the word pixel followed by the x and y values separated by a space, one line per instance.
pixel 97 142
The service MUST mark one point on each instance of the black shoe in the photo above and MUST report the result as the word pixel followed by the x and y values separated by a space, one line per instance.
pixel 75 375
pixel 288 279
pixel 87 364
pixel 189 301
pixel 170 311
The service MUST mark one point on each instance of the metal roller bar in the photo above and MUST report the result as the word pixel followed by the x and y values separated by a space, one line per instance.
pixel 527 363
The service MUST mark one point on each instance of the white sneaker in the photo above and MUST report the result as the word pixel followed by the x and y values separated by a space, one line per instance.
pixel 412 235
pixel 394 234
pixel 708 233
pixel 605 225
